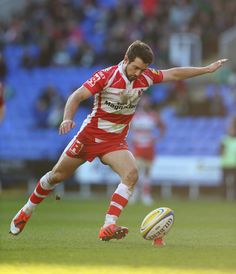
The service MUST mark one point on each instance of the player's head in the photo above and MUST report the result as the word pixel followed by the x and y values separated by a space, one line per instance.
pixel 137 58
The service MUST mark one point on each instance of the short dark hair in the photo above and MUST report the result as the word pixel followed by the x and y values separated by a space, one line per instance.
pixel 141 50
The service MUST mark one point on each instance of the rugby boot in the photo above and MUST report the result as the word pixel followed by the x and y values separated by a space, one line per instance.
pixel 112 231
pixel 18 222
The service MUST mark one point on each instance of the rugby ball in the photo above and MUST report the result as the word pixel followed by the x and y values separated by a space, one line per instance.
pixel 157 223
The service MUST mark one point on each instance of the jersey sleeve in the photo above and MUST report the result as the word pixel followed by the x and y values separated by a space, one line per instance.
pixel 155 74
pixel 96 83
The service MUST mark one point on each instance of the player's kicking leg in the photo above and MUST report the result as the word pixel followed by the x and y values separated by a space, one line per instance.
pixel 123 163
pixel 41 191
pixel 61 171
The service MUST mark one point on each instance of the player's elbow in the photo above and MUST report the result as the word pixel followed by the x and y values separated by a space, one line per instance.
pixel 176 75
pixel 77 97
pixel 81 94
pixel 172 75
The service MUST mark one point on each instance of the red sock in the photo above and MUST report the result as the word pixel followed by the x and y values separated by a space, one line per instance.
pixel 39 194
pixel 117 204
pixel 118 201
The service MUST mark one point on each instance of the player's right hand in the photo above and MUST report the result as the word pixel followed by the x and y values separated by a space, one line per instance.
pixel 66 126
pixel 216 65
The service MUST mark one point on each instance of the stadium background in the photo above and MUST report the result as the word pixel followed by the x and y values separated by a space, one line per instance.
pixel 59 44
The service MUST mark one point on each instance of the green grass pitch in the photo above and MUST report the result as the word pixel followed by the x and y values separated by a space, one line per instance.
pixel 61 238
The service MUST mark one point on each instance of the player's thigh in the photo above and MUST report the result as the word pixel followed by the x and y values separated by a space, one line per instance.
pixel 123 163
pixel 66 166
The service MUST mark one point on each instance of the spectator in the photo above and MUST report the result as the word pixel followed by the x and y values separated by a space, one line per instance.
pixel 61 56
pixel 46 52
pixel 49 108
pixel 27 60
pixel 85 55
pixel 149 7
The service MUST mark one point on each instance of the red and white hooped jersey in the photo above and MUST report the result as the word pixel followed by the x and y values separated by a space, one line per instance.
pixel 115 102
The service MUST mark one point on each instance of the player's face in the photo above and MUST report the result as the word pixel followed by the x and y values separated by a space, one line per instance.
pixel 135 68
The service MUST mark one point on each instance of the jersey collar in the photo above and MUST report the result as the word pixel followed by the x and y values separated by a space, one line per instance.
pixel 121 68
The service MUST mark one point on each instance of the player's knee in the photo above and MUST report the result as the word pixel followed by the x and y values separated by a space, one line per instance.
pixel 132 177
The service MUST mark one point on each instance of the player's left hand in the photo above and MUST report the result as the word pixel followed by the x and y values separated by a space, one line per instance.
pixel 216 65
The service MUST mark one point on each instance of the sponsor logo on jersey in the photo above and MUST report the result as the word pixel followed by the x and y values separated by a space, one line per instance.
pixel 156 71
pixel 119 106
pixel 101 74
pixel 94 79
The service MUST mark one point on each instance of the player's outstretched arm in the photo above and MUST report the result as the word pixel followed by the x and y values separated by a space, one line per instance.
pixel 181 73
pixel 71 107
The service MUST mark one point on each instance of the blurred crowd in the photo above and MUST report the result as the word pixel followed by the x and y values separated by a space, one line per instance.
pixel 88 32
pixel 96 32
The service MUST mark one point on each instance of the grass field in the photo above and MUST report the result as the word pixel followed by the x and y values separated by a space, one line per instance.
pixel 61 238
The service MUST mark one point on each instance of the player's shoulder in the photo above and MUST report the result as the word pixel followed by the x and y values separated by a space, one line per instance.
pixel 152 72
pixel 106 72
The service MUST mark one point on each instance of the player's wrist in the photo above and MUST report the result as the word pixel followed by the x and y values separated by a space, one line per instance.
pixel 207 69
pixel 67 120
